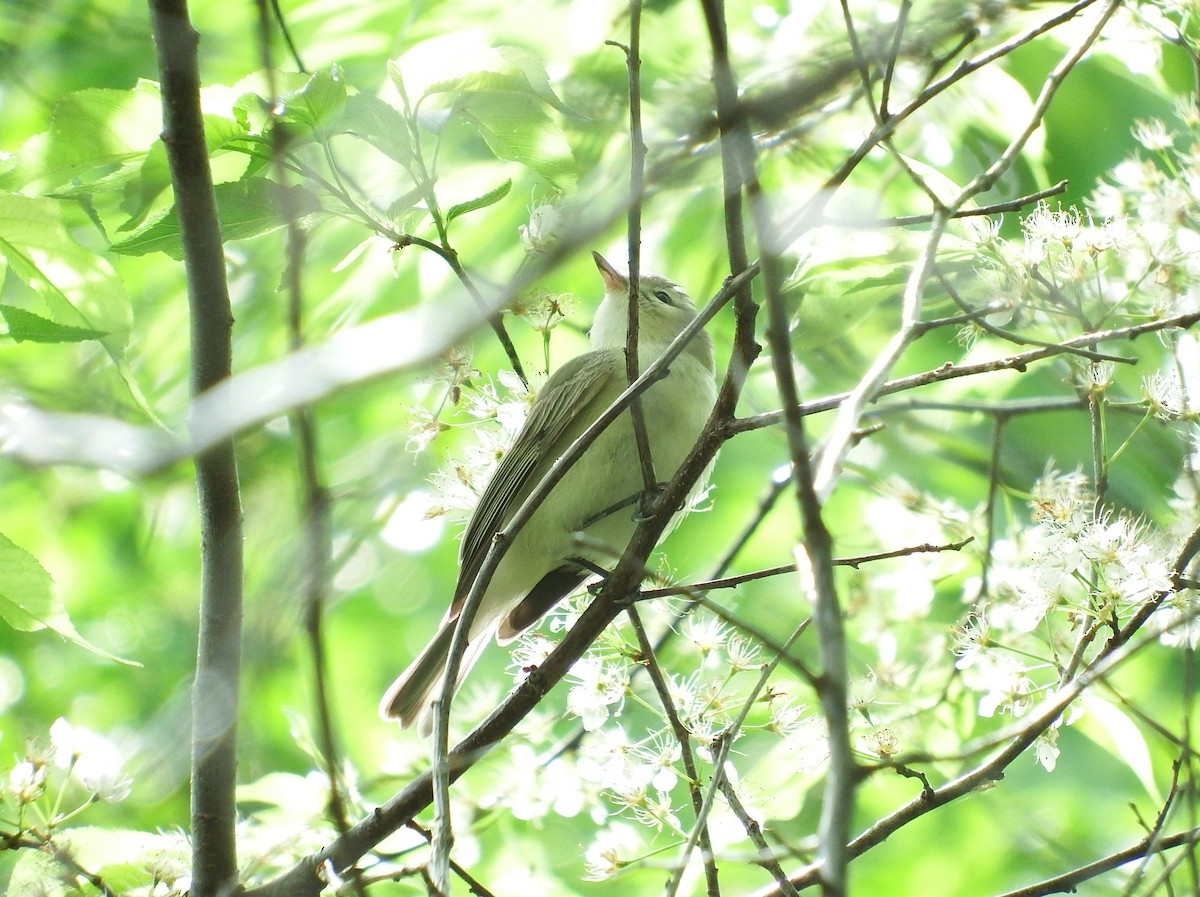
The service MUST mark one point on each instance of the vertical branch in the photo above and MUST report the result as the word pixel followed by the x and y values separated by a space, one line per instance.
pixel 315 509
pixel 1099 450
pixel 218 659
pixel 637 189
pixel 683 737
pixel 281 23
pixel 889 73
pixel 990 508
pixel 815 555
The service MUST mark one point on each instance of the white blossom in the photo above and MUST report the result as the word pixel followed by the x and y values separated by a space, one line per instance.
pixel 545 223
pixel 1153 135
pixel 1045 749
pixel 599 688
pixel 27 781
pixel 93 761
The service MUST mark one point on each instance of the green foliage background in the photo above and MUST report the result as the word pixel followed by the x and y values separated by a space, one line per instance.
pixel 80 126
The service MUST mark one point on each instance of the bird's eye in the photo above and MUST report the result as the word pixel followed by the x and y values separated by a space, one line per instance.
pixel 663 296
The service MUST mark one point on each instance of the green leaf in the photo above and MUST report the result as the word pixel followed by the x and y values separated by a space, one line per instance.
pixel 25 326
pixel 517 128
pixel 29 603
pixel 38 873
pixel 490 198
pixel 510 115
pixel 78 287
pixel 247 208
pixel 378 123
pixel 837 297
pixel 533 70
pixel 93 129
pixel 1111 728
pixel 481 82
pixel 142 179
pixel 121 856
pixel 318 102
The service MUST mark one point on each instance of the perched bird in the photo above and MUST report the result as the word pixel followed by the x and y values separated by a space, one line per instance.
pixel 598 496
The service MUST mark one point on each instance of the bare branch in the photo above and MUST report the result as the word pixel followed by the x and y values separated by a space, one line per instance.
pixel 1069 882
pixel 215 690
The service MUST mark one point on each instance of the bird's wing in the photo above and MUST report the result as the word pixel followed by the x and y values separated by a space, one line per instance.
pixel 567 405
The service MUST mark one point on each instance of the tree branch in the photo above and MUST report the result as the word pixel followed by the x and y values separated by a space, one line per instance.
pixel 218 661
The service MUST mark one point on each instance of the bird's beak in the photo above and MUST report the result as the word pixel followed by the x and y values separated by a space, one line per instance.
pixel 614 280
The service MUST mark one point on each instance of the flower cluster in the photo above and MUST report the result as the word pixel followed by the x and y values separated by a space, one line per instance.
pixel 81 758
pixel 52 784
pixel 1051 588
pixel 629 756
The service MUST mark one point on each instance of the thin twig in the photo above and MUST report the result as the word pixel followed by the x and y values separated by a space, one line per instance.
pixel 979 318
pixel 424 180
pixel 1069 882
pixel 277 14
pixel 948 371
pixel 477 887
pixel 314 512
pixel 738 156
pixel 766 856
pixel 682 737
pixel 893 56
pixel 998 208
pixel 729 582
pixel 61 855
pixel 637 188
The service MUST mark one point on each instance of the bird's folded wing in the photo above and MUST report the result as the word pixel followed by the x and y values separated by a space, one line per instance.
pixel 571 400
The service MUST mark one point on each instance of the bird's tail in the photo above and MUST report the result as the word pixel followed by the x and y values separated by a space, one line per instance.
pixel 410 697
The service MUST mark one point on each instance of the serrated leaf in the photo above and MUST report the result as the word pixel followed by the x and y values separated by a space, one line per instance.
pixel 143 178
pixel 486 82
pixel 25 326
pixel 534 71
pixel 94 128
pixel 482 202
pixel 160 233
pixel 78 287
pixel 517 128
pixel 509 113
pixel 318 102
pixel 247 208
pixel 378 123
pixel 29 602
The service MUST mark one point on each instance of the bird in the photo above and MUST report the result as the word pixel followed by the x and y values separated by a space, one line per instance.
pixel 597 501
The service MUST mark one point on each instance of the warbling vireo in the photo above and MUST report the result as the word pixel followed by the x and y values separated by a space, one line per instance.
pixel 597 497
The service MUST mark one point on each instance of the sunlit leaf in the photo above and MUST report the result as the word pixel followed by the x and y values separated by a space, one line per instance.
pixel 79 288
pixel 247 208
pixel 379 124
pixel 29 602
pixel 517 128
pixel 482 202
pixel 25 326
pixel 510 116
pixel 533 69
pixel 92 129
pixel 317 103
pixel 1112 729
